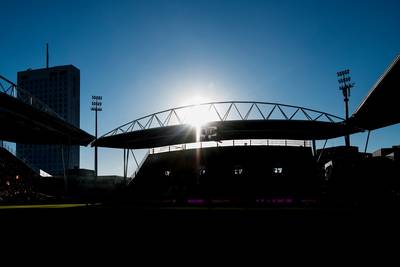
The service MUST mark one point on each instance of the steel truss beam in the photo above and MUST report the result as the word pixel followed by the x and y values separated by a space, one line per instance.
pixel 215 110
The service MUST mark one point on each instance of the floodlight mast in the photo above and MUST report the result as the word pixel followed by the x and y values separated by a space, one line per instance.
pixel 96 106
pixel 345 86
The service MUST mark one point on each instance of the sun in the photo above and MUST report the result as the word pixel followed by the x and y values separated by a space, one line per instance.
pixel 197 115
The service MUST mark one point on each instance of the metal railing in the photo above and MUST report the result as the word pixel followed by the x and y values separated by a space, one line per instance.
pixel 12 150
pixel 230 143
pixel 139 166
pixel 13 90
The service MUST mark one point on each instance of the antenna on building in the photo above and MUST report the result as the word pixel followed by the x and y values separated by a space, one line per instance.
pixel 47 55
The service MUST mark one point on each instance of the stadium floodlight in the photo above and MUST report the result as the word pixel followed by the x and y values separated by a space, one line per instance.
pixel 345 85
pixel 96 106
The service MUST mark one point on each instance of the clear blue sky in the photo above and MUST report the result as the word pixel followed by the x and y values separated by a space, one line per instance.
pixel 144 56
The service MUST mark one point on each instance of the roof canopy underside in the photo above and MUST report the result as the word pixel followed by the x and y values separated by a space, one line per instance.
pixel 381 106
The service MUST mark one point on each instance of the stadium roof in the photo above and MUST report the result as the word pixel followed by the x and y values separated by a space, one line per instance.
pixel 254 120
pixel 380 108
pixel 225 130
pixel 32 122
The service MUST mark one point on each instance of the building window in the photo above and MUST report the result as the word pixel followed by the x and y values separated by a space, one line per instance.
pixel 238 170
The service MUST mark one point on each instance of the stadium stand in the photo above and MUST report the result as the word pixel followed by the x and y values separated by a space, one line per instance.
pixel 17 180
pixel 359 179
pixel 241 175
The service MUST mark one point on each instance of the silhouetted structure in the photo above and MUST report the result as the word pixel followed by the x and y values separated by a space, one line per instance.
pixel 236 175
pixel 345 87
pixel 360 179
pixel 251 175
pixel 30 121
pixel 96 107
pixel 17 180
pixel 59 88
pixel 270 161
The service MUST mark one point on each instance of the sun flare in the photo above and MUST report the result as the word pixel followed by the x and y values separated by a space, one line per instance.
pixel 195 100
pixel 197 115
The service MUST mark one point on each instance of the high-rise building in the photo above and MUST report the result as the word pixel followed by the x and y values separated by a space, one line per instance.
pixel 59 88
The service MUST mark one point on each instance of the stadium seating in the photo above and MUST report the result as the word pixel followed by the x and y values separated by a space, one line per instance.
pixel 248 175
pixel 17 180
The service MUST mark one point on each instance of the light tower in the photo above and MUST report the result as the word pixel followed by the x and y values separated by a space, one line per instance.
pixel 345 86
pixel 96 106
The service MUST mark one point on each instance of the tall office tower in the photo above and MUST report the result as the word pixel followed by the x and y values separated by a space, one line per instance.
pixel 59 88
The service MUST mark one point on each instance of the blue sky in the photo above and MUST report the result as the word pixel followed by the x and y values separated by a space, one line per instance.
pixel 145 56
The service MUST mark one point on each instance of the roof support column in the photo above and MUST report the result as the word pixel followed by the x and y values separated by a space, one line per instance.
pixel 314 147
pixel 366 143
